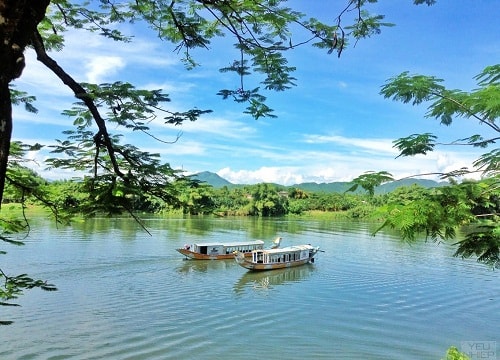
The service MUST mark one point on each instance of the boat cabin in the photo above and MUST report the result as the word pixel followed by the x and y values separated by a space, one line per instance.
pixel 215 249
pixel 283 255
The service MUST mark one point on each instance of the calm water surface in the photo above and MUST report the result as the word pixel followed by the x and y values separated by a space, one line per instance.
pixel 125 294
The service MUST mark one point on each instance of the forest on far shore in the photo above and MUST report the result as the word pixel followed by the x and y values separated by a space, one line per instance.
pixel 226 199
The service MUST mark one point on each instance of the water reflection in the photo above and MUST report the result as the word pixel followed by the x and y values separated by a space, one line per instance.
pixel 375 297
pixel 203 266
pixel 250 227
pixel 268 279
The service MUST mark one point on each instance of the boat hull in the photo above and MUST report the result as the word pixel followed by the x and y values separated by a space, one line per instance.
pixel 263 267
pixel 197 256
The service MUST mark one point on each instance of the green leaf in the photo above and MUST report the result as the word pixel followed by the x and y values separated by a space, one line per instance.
pixel 489 163
pixel 370 180
pixel 415 144
pixel 482 241
pixel 415 89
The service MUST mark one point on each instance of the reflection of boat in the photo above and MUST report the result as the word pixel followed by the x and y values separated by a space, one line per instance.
pixel 267 279
pixel 203 266
pixel 219 250
pixel 278 258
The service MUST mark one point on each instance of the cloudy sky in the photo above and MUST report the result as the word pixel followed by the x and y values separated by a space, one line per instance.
pixel 333 126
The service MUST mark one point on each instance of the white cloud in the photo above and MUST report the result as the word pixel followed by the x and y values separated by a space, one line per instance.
pixel 99 60
pixel 177 149
pixel 331 167
pixel 280 175
pixel 171 87
pixel 222 128
pixel 377 145
pixel 246 151
pixel 101 68
pixel 37 79
pixel 141 51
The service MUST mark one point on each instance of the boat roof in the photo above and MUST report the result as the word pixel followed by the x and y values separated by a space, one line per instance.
pixel 231 243
pixel 287 249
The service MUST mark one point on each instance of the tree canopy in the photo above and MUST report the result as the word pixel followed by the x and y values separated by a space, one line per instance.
pixel 116 173
pixel 260 31
pixel 474 205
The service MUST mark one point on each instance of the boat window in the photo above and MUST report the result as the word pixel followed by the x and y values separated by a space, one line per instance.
pixel 258 257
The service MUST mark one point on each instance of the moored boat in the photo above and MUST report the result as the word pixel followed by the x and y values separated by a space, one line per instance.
pixel 279 258
pixel 223 250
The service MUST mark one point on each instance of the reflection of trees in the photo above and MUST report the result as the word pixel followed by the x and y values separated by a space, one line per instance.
pixel 243 226
pixel 267 279
pixel 266 228
pixel 344 226
pixel 96 227
pixel 189 224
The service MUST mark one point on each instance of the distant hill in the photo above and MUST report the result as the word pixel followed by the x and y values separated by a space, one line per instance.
pixel 391 186
pixel 212 179
pixel 339 187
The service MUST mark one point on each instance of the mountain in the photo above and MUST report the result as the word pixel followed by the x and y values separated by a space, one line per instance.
pixel 339 187
pixel 393 185
pixel 211 179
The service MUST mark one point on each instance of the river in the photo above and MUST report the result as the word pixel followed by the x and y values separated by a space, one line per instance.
pixel 124 293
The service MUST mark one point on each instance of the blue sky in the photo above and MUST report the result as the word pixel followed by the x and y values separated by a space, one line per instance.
pixel 333 126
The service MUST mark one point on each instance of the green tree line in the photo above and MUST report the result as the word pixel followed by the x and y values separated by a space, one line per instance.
pixel 272 200
pixel 122 178
pixel 265 200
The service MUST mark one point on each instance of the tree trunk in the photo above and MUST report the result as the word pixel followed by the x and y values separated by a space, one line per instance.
pixel 18 22
pixel 5 132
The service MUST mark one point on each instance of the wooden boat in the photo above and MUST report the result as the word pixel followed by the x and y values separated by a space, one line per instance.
pixel 220 251
pixel 279 258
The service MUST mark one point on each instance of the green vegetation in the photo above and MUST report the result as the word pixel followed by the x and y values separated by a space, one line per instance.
pixel 265 200
pixel 454 354
pixel 474 204
pixel 122 178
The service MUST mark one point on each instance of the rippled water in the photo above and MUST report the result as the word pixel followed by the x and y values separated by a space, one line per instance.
pixel 124 294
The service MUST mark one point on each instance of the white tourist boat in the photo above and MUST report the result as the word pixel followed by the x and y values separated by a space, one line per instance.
pixel 278 258
pixel 223 250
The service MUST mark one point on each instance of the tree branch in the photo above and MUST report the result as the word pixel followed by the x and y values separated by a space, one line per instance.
pixel 102 137
pixel 467 110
